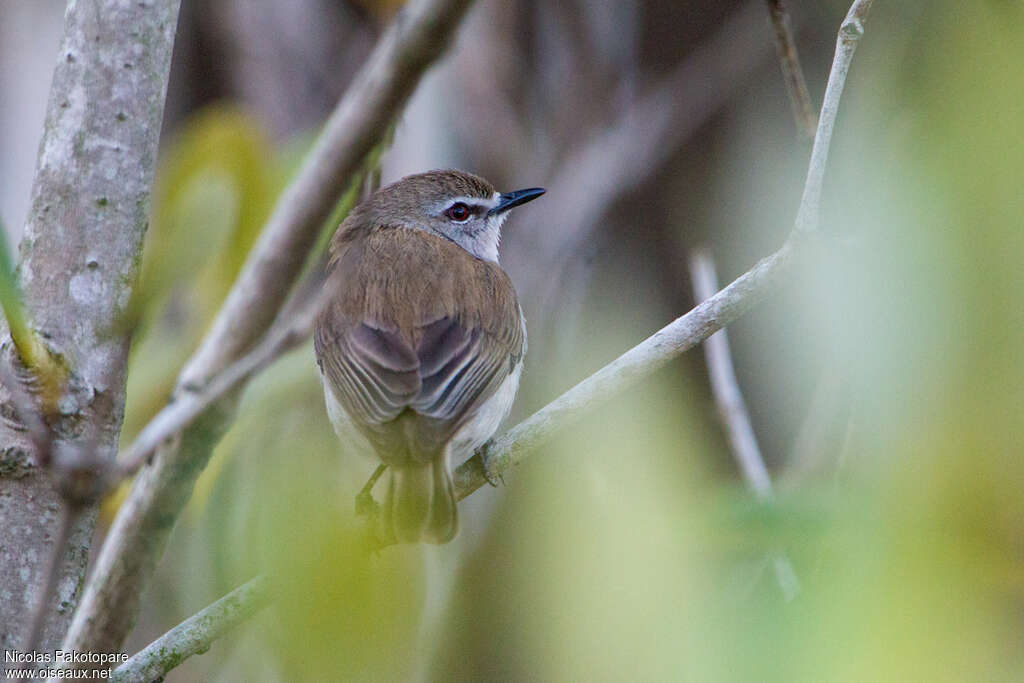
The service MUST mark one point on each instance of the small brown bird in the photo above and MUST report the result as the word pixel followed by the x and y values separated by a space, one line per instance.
pixel 422 343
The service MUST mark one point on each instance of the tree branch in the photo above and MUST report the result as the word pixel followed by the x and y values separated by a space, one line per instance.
pixel 416 38
pixel 808 217
pixel 726 390
pixel 80 250
pixel 792 72
pixel 195 635
pixel 501 454
pixel 508 450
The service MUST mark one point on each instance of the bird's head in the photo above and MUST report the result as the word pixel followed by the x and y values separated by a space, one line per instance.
pixel 458 206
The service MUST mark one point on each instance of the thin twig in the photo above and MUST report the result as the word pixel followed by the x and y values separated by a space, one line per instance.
pixel 418 36
pixel 501 454
pixel 508 450
pixel 792 72
pixel 195 634
pixel 182 412
pixel 726 390
pixel 808 217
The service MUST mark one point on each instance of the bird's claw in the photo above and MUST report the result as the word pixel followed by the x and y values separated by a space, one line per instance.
pixel 491 476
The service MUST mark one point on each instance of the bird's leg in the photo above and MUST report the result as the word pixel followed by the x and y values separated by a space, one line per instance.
pixel 366 506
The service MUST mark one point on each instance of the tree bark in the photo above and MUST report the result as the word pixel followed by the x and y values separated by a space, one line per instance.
pixel 79 258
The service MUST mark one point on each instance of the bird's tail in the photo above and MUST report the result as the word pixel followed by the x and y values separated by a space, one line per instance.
pixel 420 504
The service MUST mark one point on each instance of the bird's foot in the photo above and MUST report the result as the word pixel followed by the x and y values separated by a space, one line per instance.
pixel 366 506
pixel 491 474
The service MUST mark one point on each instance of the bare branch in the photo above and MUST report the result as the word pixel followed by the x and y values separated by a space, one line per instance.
pixel 726 389
pixel 195 634
pixel 808 217
pixel 417 37
pixel 792 72
pixel 182 412
pixel 138 536
pixel 501 454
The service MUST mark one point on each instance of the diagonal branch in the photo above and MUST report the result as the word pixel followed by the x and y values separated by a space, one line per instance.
pixel 501 454
pixel 808 216
pixel 414 41
pixel 508 450
pixel 195 635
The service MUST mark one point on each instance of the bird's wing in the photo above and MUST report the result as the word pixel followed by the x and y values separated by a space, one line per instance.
pixel 376 374
pixel 439 365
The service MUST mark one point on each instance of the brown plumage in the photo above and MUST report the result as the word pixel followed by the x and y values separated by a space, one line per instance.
pixel 420 334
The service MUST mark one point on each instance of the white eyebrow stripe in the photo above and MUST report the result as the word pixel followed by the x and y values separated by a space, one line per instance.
pixel 471 201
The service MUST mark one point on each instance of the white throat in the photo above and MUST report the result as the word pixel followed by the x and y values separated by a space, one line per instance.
pixel 484 243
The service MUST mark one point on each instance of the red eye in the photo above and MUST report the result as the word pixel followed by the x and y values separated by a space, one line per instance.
pixel 458 212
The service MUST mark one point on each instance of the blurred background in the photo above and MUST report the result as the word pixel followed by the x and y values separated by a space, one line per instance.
pixel 884 380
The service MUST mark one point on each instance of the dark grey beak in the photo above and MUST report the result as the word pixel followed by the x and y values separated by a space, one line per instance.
pixel 510 199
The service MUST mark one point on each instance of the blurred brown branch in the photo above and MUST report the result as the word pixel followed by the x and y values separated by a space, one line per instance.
pixel 792 72
pixel 621 158
pixel 416 38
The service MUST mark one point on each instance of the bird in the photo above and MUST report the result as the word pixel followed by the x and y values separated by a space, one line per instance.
pixel 421 340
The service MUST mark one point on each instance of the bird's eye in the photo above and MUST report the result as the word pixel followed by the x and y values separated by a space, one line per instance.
pixel 458 212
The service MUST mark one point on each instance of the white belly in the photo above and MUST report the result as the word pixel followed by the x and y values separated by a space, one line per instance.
pixel 487 420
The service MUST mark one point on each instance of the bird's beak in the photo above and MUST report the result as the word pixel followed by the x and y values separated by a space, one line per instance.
pixel 509 199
